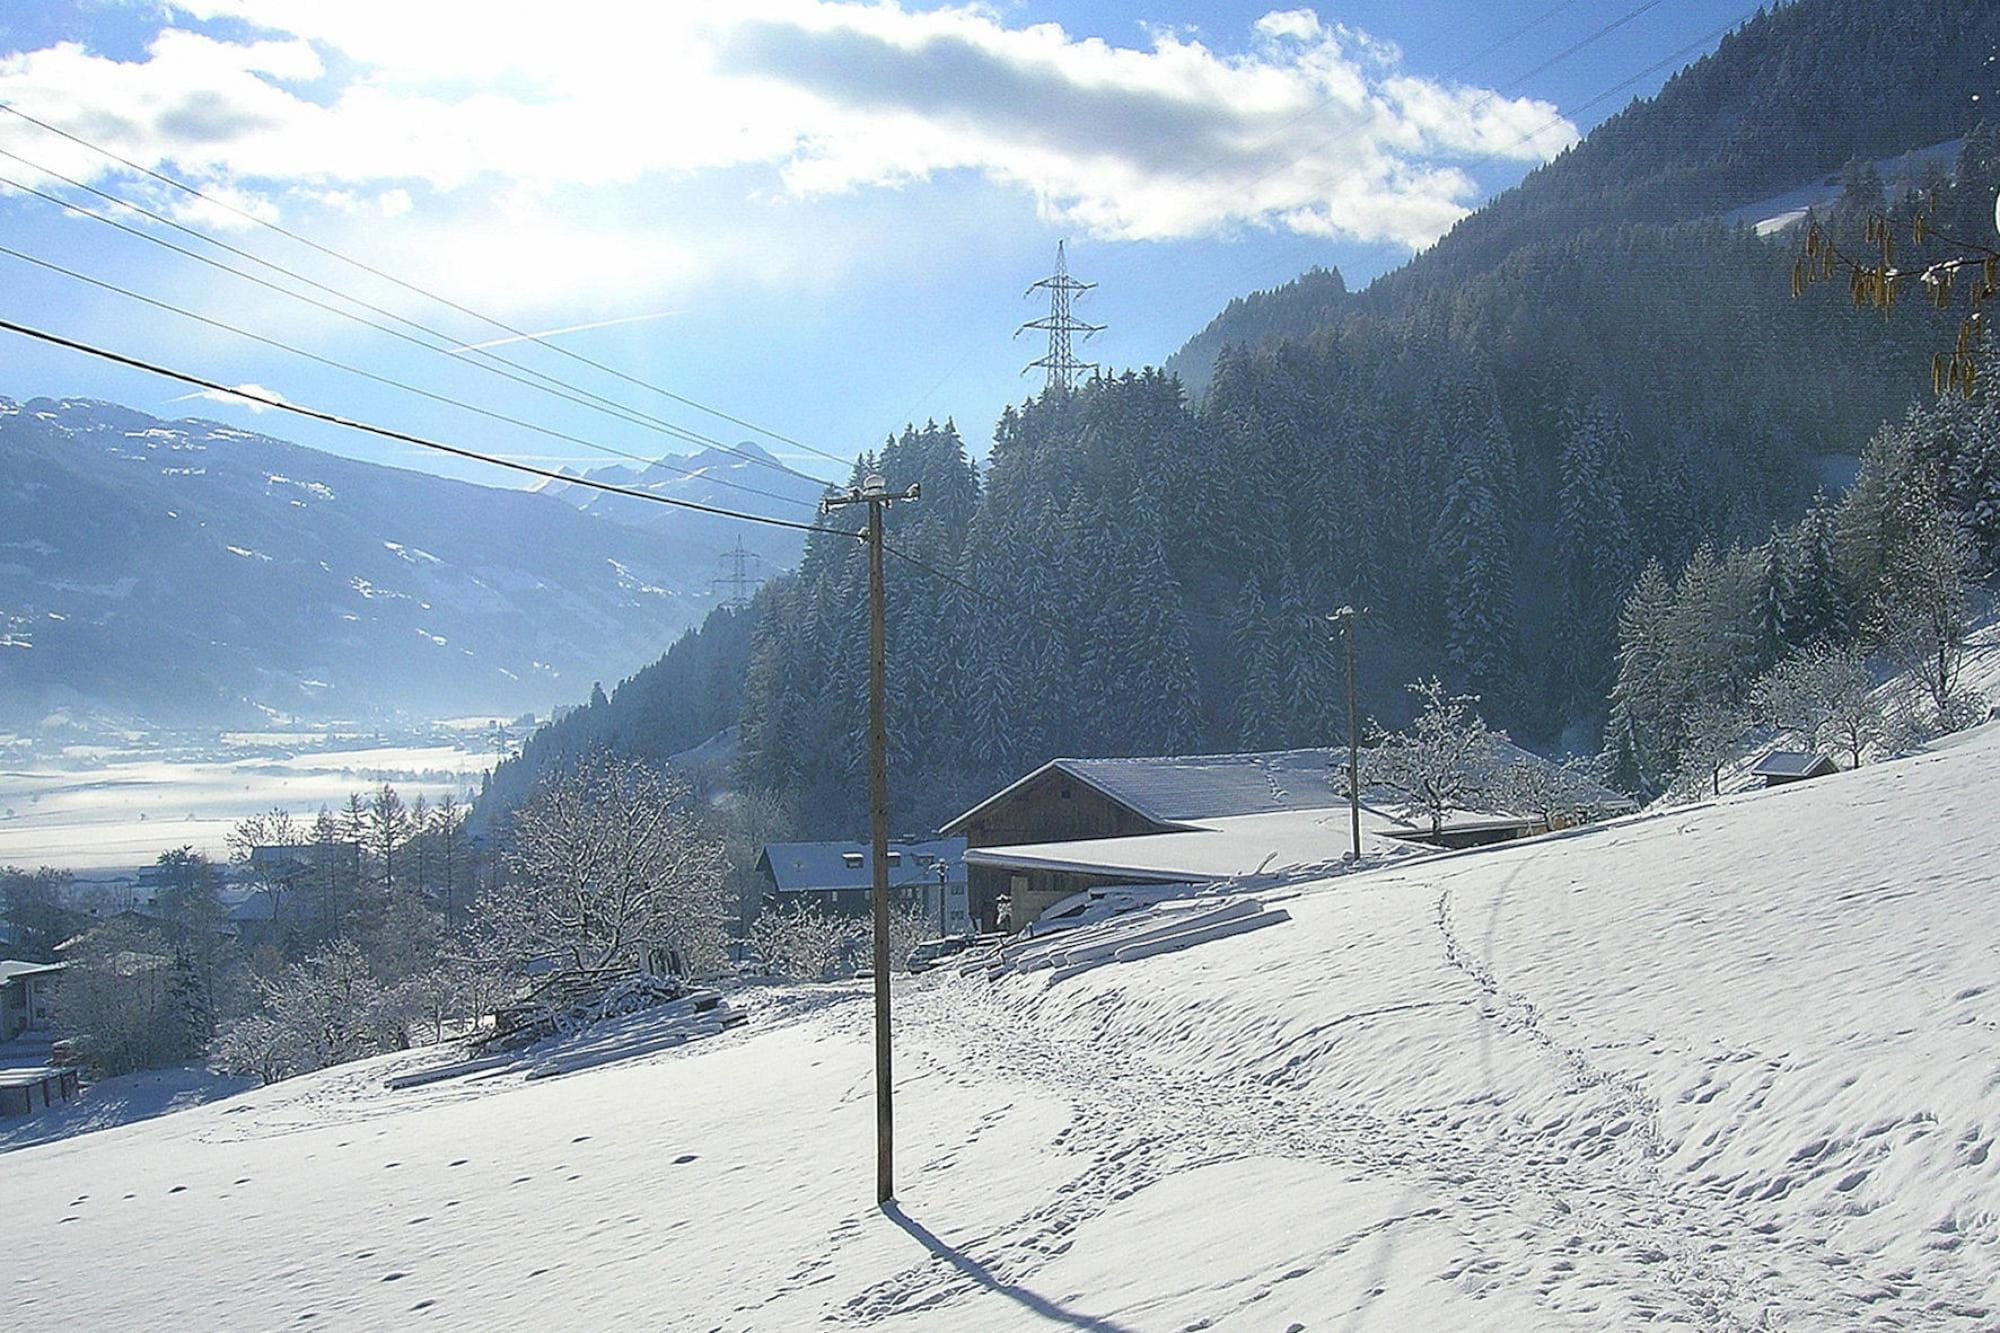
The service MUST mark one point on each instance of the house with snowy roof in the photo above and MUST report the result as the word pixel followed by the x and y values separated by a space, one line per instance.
pixel 839 877
pixel 27 991
pixel 1074 825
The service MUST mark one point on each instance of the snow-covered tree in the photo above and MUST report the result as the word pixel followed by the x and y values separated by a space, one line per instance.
pixel 1922 611
pixel 610 863
pixel 1444 762
pixel 322 1012
pixel 115 1001
pixel 799 941
pixel 1820 695
pixel 1555 793
pixel 1712 735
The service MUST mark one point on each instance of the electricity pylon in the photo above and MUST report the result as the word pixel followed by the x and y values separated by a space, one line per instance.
pixel 737 579
pixel 1061 325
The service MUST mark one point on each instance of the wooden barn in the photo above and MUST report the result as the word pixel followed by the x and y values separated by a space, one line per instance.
pixel 1074 825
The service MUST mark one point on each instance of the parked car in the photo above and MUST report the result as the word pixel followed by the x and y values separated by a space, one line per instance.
pixel 931 952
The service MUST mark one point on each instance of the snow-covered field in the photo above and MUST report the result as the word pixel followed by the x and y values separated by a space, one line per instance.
pixel 122 811
pixel 1732 1066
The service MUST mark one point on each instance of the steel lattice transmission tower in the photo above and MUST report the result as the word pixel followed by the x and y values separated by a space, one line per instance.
pixel 1062 325
pixel 737 577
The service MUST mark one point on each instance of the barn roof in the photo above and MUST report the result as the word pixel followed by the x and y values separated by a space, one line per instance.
pixel 1176 791
pixel 1792 764
pixel 1171 790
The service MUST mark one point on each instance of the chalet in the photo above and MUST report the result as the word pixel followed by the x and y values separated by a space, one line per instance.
pixel 1074 825
pixel 839 877
pixel 1780 767
pixel 26 990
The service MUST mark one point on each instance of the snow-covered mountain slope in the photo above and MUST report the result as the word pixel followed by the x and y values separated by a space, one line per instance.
pixel 744 477
pixel 1900 174
pixel 1732 1066
pixel 186 572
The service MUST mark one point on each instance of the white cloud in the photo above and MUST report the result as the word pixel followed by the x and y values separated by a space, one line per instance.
pixel 1301 24
pixel 511 137
pixel 253 396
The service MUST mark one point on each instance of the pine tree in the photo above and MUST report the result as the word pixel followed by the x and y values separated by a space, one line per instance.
pixel 1473 551
pixel 1774 599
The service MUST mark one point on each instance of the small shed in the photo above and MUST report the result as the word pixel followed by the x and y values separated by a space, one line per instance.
pixel 1782 766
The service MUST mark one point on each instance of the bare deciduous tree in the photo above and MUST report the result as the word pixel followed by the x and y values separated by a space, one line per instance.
pixel 1923 612
pixel 1821 695
pixel 610 863
pixel 1444 762
pixel 1712 734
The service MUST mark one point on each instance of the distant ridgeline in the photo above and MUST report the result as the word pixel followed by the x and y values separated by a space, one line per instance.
pixel 187 573
pixel 1485 449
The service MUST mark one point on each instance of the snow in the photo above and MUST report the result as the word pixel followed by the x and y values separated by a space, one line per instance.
pixel 1900 173
pixel 1281 844
pixel 1726 1066
pixel 121 1101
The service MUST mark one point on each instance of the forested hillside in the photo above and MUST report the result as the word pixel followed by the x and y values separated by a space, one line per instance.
pixel 1485 450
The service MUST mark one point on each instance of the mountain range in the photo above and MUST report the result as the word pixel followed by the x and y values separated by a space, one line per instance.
pixel 187 573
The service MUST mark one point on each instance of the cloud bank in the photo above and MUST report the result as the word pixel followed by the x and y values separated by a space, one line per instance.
pixel 454 116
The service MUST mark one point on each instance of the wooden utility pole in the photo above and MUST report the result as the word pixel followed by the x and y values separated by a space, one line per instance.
pixel 1344 618
pixel 874 493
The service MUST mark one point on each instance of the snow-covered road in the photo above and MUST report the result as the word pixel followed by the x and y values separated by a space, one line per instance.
pixel 1734 1066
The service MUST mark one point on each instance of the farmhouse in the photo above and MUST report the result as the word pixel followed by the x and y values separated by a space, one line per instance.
pixel 25 992
pixel 1079 824
pixel 838 876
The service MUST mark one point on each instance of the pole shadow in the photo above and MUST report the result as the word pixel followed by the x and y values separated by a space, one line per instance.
pixel 1031 1301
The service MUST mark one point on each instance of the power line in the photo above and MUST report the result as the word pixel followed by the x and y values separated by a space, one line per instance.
pixel 548 383
pixel 384 380
pixel 1212 163
pixel 402 437
pixel 373 271
pixel 1560 117
pixel 503 368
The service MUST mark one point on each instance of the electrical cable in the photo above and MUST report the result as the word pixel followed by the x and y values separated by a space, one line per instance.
pixel 604 406
pixel 384 380
pixel 445 301
pixel 384 432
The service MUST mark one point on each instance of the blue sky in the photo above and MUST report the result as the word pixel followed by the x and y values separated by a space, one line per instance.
pixel 817 216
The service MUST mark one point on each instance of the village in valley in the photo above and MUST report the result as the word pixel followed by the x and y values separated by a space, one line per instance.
pixel 1457 801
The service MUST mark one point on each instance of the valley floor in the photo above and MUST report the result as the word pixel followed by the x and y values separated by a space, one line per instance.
pixel 1733 1066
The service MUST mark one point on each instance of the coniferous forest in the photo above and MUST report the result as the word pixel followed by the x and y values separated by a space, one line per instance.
pixel 1489 450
